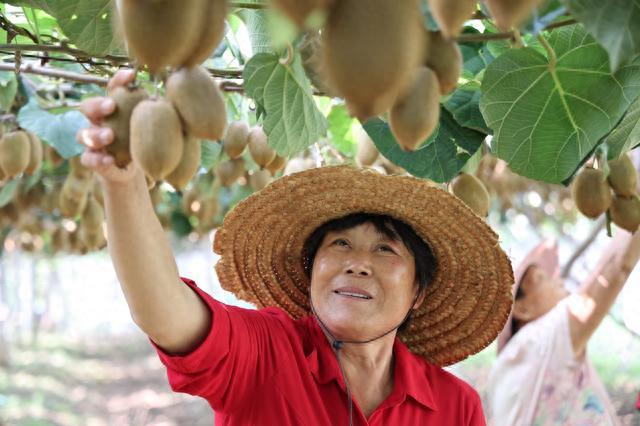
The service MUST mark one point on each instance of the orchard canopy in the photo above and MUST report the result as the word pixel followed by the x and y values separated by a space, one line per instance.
pixel 524 101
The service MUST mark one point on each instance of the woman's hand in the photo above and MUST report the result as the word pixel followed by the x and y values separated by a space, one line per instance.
pixel 96 137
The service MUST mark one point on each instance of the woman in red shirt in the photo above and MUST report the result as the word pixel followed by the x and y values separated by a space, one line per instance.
pixel 367 285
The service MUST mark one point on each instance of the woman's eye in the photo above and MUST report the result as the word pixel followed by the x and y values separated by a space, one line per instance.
pixel 341 242
pixel 386 248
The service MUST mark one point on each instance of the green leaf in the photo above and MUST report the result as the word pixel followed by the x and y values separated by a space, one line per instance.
pixel 58 130
pixel 292 121
pixel 210 154
pixel 547 119
pixel 8 89
pixel 464 104
pixel 627 134
pixel 87 23
pixel 7 192
pixel 340 124
pixel 439 159
pixel 258 28
pixel 615 24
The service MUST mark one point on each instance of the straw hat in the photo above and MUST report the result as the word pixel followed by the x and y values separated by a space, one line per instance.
pixel 545 256
pixel 261 247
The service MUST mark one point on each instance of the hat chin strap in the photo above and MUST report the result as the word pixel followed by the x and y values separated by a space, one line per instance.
pixel 338 344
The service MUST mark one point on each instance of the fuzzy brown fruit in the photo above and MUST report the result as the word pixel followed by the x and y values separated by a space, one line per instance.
pixel 188 166
pixel 445 59
pixel 156 137
pixel 119 122
pixel 472 192
pixel 451 14
pixel 35 154
pixel 93 214
pixel 14 153
pixel 259 179
pixel 211 34
pixel 623 176
pixel 370 51
pixel 199 102
pixel 161 32
pixel 367 153
pixel 416 114
pixel 229 171
pixel 276 165
pixel 510 13
pixel 625 212
pixel 73 197
pixel 235 140
pixel 591 193
pixel 259 149
pixel 299 11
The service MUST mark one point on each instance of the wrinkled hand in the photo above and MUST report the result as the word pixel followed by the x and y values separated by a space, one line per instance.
pixel 96 137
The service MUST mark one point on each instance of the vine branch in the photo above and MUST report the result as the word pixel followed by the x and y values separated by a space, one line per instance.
pixel 13 29
pixel 463 38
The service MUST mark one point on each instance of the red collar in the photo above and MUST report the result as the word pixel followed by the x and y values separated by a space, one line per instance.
pixel 411 374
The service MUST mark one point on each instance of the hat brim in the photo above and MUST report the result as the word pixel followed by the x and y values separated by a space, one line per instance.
pixel 261 247
pixel 545 256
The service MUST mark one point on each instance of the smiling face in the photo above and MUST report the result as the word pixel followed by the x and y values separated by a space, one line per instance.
pixel 539 294
pixel 363 282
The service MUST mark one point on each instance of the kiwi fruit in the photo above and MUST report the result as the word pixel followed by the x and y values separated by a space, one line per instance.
pixel 623 176
pixel 472 192
pixel 367 153
pixel 299 11
pixel 71 204
pixel 2 175
pixel 35 154
pixel 276 165
pixel 14 153
pixel 259 149
pixel 156 137
pixel 259 179
pixel 625 212
pixel 126 100
pixel 445 59
pixel 229 171
pixel 93 214
pixel 591 193
pixel 370 51
pixel 96 190
pixel 211 33
pixel 450 15
pixel 416 114
pixel 161 32
pixel 509 13
pixel 77 169
pixel 235 140
pixel 60 240
pixel 188 166
pixel 199 102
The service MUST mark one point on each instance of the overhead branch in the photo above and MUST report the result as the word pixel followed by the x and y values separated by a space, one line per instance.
pixel 13 29
pixel 508 35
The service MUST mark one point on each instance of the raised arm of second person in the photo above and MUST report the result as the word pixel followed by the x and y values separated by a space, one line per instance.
pixel 598 292
pixel 167 310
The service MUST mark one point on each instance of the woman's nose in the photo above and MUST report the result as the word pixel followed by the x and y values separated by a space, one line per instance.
pixel 359 265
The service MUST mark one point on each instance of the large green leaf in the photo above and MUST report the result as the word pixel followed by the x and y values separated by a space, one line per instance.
pixel 58 130
pixel 257 26
pixel 614 23
pixel 8 89
pixel 87 23
pixel 292 121
pixel 627 134
pixel 547 118
pixel 441 157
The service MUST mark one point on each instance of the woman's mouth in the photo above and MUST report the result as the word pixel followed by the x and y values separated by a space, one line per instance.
pixel 354 293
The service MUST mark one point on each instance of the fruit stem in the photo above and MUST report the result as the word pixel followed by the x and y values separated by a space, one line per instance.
pixel 289 58
pixel 608 222
pixel 517 38
pixel 553 60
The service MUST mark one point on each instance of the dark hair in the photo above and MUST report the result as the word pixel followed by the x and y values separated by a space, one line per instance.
pixel 425 262
pixel 515 324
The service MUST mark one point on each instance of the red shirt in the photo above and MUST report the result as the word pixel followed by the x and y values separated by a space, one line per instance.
pixel 260 367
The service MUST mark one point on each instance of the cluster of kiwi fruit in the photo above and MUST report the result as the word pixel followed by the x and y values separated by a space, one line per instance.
pixel 163 134
pixel 20 152
pixel 379 58
pixel 595 192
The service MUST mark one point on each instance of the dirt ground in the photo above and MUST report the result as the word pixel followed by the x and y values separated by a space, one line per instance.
pixel 114 382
